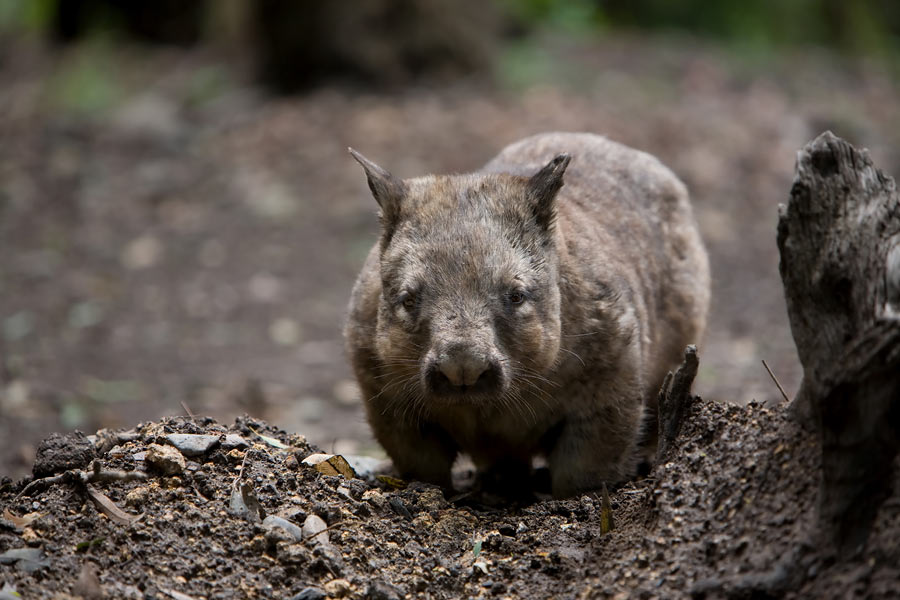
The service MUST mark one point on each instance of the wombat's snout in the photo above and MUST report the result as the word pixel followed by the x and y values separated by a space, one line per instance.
pixel 461 370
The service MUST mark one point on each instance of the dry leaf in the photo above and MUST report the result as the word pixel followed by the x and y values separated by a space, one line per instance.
pixel 109 508
pixel 270 440
pixel 24 520
pixel 392 482
pixel 330 464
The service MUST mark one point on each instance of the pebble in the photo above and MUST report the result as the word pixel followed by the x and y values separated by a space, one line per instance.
pixel 165 459
pixel 432 499
pixel 137 497
pixel 191 444
pixel 399 507
pixel 338 588
pixel 375 498
pixel 314 525
pixel 233 440
pixel 272 522
pixel 310 593
pixel 380 590
pixel 30 537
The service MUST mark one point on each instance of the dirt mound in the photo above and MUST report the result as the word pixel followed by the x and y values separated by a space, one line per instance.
pixel 233 512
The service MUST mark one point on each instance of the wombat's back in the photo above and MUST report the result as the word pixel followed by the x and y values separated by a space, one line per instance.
pixel 625 215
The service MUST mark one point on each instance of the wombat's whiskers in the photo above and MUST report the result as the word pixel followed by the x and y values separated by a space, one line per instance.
pixel 575 354
pixel 513 400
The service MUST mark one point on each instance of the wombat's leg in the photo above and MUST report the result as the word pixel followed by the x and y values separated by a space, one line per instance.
pixel 595 446
pixel 420 452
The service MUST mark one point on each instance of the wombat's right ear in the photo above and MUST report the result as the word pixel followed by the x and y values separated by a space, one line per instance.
pixel 387 189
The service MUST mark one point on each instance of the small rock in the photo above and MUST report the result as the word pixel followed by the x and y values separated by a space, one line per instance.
pixel 192 444
pixel 481 565
pixel 137 497
pixel 315 526
pixel 273 522
pixel 375 498
pixel 294 553
pixel 30 537
pixel 165 459
pixel 233 440
pixel 381 590
pixel 432 499
pixel 28 560
pixel 399 507
pixel 338 588
pixel 310 593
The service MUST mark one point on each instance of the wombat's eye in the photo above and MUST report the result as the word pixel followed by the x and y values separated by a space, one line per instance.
pixel 516 297
pixel 407 300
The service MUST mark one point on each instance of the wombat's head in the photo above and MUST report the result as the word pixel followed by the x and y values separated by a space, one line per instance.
pixel 470 304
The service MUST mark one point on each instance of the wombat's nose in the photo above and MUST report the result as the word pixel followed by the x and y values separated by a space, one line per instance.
pixel 463 373
pixel 463 370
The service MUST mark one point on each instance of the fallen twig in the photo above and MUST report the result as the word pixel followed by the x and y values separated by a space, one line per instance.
pixel 94 475
pixel 775 379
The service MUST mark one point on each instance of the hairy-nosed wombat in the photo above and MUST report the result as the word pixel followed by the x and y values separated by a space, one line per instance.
pixel 505 315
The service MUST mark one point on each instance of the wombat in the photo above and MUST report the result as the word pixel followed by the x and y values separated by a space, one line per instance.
pixel 505 315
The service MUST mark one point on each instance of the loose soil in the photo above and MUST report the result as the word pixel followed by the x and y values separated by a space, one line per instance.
pixel 731 515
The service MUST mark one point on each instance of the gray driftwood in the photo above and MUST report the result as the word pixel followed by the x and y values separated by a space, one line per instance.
pixel 839 239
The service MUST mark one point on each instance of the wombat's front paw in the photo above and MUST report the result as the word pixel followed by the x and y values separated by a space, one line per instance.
pixel 420 458
pixel 584 459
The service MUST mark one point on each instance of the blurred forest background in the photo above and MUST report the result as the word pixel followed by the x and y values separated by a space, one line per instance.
pixel 180 222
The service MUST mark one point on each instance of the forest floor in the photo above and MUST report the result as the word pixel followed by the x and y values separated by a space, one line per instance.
pixel 172 237
pixel 234 512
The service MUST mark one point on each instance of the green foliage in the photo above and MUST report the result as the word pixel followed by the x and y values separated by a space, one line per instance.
pixel 87 84
pixel 32 16
pixel 860 26
pixel 577 17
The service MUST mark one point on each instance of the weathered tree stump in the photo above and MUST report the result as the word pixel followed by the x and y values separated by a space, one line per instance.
pixel 674 401
pixel 839 239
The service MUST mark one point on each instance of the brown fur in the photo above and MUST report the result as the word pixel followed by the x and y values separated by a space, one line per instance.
pixel 505 315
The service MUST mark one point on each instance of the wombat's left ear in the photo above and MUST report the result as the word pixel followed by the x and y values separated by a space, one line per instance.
pixel 544 185
pixel 387 189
